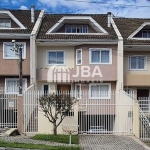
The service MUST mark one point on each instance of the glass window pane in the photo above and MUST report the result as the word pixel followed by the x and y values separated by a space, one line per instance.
pixel 141 61
pixel 95 56
pixel 78 56
pixel 148 34
pixel 84 29
pixel 78 91
pixel 52 57
pixel 74 29
pixel 104 56
pixel 133 62
pixel 60 58
pixel 68 29
pixel 95 91
pixel 144 34
pixel 104 90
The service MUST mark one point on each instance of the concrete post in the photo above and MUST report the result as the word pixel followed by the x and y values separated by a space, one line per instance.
pixel 136 121
pixel 20 113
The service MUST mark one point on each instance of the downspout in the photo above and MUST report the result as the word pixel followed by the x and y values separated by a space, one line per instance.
pixel 33 55
pixel 120 70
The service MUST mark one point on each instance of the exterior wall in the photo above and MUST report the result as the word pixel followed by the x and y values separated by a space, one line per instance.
pixel 47 127
pixel 62 29
pixel 137 77
pixel 10 66
pixel 109 71
pixel 2 80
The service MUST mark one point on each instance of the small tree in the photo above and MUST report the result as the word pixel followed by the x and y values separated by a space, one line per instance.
pixel 56 107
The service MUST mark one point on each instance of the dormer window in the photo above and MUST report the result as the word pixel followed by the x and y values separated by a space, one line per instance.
pixel 146 34
pixel 76 29
pixel 5 23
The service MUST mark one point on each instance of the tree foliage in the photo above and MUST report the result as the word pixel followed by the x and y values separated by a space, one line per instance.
pixel 56 107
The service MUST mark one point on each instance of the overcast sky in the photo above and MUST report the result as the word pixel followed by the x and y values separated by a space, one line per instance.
pixel 121 8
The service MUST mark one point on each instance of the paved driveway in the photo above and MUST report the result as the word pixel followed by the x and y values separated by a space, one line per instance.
pixel 110 142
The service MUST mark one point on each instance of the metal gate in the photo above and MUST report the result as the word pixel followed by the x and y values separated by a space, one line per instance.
pixel 144 115
pixel 8 110
pixel 30 111
pixel 106 115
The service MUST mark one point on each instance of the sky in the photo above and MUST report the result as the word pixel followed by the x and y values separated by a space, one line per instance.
pixel 119 8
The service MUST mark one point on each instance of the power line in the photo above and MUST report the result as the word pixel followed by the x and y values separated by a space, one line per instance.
pixel 102 3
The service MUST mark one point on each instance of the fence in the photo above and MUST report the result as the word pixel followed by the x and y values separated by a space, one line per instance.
pixel 144 104
pixel 8 110
pixel 110 113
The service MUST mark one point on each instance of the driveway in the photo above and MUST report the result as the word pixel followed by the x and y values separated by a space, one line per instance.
pixel 111 142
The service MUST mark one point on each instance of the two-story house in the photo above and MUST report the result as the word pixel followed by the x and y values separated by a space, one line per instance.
pixel 19 25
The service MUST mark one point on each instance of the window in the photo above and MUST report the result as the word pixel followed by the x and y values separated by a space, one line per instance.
pixel 5 23
pixel 56 57
pixel 78 91
pixel 137 62
pixel 78 56
pixel 76 29
pixel 100 56
pixel 12 85
pixel 101 91
pixel 146 34
pixel 10 53
pixel 45 89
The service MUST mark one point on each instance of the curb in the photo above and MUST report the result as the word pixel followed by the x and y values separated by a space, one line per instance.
pixel 140 142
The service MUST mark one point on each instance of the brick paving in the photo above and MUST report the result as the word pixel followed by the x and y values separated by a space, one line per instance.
pixel 87 142
pixel 109 142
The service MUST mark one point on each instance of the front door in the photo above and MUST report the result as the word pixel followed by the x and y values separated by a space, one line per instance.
pixel 64 87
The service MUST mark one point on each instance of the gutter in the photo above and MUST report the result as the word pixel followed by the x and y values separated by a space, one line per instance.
pixel 33 47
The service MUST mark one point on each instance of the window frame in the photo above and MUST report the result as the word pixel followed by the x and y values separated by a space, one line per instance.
pixel 14 79
pixel 8 43
pixel 147 33
pixel 109 90
pixel 76 90
pixel 77 56
pixel 47 56
pixel 100 49
pixel 43 87
pixel 3 27
pixel 145 64
pixel 77 26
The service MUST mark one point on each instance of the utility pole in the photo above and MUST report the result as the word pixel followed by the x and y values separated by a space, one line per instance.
pixel 18 48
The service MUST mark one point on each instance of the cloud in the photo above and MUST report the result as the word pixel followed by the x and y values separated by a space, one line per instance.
pixel 124 8
pixel 23 7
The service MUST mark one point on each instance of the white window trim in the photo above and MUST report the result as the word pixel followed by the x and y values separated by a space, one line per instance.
pixel 77 55
pixel 76 28
pixel 43 87
pixel 47 58
pixel 23 43
pixel 109 90
pixel 100 49
pixel 76 90
pixel 145 67
pixel 147 33
pixel 21 26
pixel 14 79
pixel 6 26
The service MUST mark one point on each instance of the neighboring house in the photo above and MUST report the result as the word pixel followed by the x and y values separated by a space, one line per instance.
pixel 136 35
pixel 19 25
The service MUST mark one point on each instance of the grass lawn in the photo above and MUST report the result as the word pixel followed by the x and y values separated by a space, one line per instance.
pixel 58 138
pixel 35 146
